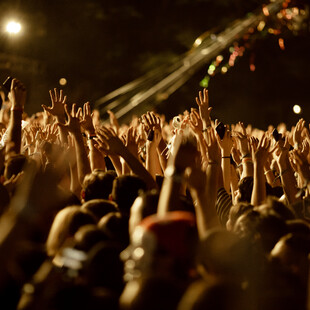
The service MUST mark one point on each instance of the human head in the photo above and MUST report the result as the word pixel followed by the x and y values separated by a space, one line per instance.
pixel 98 185
pixel 65 225
pixel 99 207
pixel 126 189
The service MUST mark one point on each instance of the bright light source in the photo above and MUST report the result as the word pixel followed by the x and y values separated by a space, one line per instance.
pixel 197 42
pixel 296 109
pixel 13 27
pixel 62 81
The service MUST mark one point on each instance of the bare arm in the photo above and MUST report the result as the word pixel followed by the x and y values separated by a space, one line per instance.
pixel 17 97
pixel 73 126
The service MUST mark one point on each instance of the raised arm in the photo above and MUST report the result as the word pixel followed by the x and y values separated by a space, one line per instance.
pixel 95 157
pixel 17 97
pixel 109 142
pixel 204 110
pixel 286 172
pixel 226 145
pixel 73 126
pixel 203 187
pixel 260 157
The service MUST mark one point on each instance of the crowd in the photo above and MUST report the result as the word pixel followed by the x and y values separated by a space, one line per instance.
pixel 186 214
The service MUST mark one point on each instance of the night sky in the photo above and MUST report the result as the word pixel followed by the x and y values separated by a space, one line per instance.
pixel 98 46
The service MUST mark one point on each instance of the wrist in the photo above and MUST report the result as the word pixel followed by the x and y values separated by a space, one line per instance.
pixel 17 109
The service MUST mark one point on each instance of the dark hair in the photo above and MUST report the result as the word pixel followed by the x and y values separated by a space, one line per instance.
pixel 270 228
pixel 245 187
pixel 98 184
pixel 100 207
pixel 126 189
pixel 14 165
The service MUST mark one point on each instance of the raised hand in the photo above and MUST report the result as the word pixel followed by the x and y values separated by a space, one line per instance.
pixel 226 143
pixel 113 121
pixel 58 102
pixel 297 133
pixel 214 152
pixel 108 141
pixel 131 141
pixel 151 121
pixel 87 120
pixel 195 122
pixel 204 110
pixel 261 154
pixel 73 122
pixel 17 95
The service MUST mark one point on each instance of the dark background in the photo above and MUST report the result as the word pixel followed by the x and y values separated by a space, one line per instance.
pixel 99 46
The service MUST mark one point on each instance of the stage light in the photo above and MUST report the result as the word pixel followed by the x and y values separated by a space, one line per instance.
pixel 62 81
pixel 13 27
pixel 296 109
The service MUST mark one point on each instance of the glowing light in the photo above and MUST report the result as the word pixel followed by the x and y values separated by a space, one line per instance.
pixel 296 109
pixel 252 67
pixel 205 82
pixel 212 67
pixel 62 81
pixel 197 42
pixel 266 11
pixel 219 58
pixel 138 253
pixel 281 44
pixel 210 72
pixel 261 25
pixel 224 70
pixel 13 27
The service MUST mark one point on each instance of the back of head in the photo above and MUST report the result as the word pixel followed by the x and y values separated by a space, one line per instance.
pixel 98 184
pixel 126 189
pixel 65 225
pixel 115 227
pixel 100 207
pixel 218 295
pixel 144 205
pixel 245 187
pixel 224 254
pixel 14 165
pixel 267 229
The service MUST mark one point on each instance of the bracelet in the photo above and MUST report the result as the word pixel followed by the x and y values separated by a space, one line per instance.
pixel 226 157
pixel 247 160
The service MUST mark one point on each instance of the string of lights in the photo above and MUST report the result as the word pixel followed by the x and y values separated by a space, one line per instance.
pixel 276 19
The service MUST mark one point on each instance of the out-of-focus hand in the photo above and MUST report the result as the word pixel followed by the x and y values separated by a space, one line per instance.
pixel 297 133
pixel 195 122
pixel 17 95
pixel 262 152
pixel 214 152
pixel 226 143
pixel 87 119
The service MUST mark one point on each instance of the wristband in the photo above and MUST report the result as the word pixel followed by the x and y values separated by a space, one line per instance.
pixel 247 160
